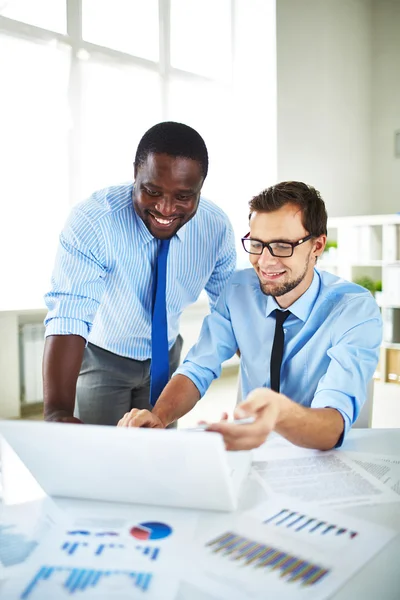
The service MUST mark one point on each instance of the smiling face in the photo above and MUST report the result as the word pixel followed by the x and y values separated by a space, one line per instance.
pixel 167 193
pixel 284 278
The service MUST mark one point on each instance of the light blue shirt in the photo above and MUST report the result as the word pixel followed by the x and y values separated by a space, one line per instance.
pixel 102 280
pixel 331 349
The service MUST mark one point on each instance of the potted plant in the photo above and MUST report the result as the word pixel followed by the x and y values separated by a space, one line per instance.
pixel 378 292
pixel 330 250
pixel 366 282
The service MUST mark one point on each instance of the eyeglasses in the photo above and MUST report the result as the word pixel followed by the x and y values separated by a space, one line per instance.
pixel 278 249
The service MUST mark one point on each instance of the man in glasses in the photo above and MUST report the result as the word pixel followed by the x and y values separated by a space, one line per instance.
pixel 130 259
pixel 309 341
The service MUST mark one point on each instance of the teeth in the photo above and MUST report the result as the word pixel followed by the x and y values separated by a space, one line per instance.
pixel 163 221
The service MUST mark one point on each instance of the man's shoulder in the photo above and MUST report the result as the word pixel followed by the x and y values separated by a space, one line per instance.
pixel 210 212
pixel 341 291
pixel 106 201
pixel 244 277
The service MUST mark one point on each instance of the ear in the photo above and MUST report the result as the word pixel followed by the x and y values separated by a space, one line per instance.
pixel 319 245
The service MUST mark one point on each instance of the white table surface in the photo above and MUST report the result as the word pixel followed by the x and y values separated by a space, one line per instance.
pixel 379 578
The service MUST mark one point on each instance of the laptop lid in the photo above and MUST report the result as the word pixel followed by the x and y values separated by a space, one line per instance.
pixel 145 466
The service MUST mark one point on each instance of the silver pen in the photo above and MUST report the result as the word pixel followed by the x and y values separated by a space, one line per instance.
pixel 204 426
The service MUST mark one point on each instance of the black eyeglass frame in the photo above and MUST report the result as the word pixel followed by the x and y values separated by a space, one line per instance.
pixel 268 245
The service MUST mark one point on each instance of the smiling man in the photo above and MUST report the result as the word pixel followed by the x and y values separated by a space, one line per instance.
pixel 130 259
pixel 309 341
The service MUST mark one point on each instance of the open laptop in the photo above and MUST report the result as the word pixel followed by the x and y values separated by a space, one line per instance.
pixel 147 466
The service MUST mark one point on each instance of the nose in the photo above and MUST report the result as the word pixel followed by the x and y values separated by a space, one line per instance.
pixel 266 258
pixel 165 205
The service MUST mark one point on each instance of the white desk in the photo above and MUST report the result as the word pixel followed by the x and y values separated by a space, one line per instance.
pixel 380 578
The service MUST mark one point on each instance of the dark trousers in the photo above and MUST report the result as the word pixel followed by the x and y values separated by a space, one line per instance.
pixel 110 385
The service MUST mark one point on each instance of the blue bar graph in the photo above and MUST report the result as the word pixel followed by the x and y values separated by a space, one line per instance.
pixel 99 549
pixel 80 580
pixel 299 522
pixel 151 552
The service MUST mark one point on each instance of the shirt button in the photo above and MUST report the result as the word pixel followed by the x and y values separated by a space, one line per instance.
pixel 285 331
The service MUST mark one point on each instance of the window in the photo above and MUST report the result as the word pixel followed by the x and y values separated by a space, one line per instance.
pixel 127 25
pixel 34 125
pixel 114 117
pixel 48 14
pixel 73 108
pixel 201 37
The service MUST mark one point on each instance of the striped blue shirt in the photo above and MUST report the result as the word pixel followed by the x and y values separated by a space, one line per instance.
pixel 102 280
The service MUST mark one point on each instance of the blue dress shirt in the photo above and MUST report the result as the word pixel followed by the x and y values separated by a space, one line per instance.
pixel 102 280
pixel 331 350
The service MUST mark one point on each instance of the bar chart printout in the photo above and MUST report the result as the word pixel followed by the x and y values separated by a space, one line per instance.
pixel 76 548
pixel 300 522
pixel 50 580
pixel 253 555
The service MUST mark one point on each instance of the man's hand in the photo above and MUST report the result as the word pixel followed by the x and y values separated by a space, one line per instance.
pixel 140 418
pixel 264 405
pixel 61 416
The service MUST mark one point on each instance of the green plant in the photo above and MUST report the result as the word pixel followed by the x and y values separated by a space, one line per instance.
pixel 366 282
pixel 378 286
pixel 330 244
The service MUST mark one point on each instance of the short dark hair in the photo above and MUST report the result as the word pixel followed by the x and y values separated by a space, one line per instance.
pixel 307 198
pixel 175 139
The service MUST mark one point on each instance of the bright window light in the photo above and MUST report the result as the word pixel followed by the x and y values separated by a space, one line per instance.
pixel 130 26
pixel 114 118
pixel 34 124
pixel 48 14
pixel 201 37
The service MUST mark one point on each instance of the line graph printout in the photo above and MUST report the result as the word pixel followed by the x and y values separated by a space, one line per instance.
pixel 23 527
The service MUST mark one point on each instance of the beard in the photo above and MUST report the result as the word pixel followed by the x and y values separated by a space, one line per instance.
pixel 284 288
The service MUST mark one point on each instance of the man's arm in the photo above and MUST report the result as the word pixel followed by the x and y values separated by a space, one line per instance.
pixel 339 395
pixel 77 288
pixel 179 396
pixel 318 428
pixel 61 364
pixel 224 266
pixel 216 344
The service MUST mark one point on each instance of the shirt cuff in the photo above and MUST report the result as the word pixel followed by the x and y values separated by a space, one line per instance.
pixel 60 326
pixel 335 400
pixel 201 385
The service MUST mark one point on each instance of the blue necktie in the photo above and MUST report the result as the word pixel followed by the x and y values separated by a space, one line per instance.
pixel 159 368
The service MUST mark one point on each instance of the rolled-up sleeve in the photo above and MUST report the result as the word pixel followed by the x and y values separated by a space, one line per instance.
pixel 354 355
pixel 78 279
pixel 216 343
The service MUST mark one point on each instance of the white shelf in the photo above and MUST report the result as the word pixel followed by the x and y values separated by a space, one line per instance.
pixel 369 246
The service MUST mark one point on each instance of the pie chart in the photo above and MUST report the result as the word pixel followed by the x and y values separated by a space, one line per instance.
pixel 151 530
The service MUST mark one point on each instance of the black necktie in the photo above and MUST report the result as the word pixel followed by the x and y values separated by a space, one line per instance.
pixel 277 349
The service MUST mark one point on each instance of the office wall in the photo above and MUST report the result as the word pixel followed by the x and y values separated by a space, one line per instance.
pixel 386 105
pixel 324 72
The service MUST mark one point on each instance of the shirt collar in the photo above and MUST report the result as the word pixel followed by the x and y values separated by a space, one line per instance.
pixel 303 306
pixel 145 234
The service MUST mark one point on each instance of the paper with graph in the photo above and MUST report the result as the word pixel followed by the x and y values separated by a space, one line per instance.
pixel 119 553
pixel 288 549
